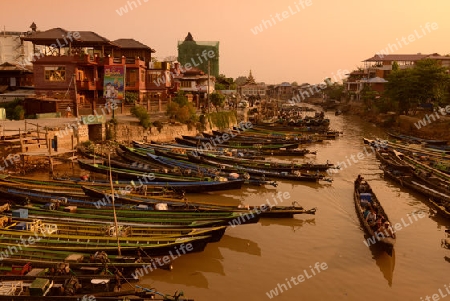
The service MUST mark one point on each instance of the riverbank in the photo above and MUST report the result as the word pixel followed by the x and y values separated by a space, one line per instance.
pixel 424 124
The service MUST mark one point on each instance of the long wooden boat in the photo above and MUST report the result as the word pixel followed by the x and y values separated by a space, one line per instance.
pixel 99 229
pixel 80 243
pixel 260 143
pixel 417 139
pixel 46 288
pixel 439 201
pixel 362 191
pixel 124 199
pixel 273 166
pixel 136 175
pixel 313 135
pixel 279 151
pixel 294 176
pixel 291 129
pixel 134 217
pixel 76 288
pixel 197 141
pixel 268 211
pixel 56 190
pixel 73 187
pixel 393 159
pixel 424 167
pixel 214 171
pixel 281 211
pixel 129 154
pixel 160 188
pixel 249 140
pixel 143 216
pixel 42 258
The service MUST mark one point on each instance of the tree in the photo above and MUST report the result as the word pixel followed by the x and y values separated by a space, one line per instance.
pixel 181 109
pixel 426 82
pixel 224 83
pixel 170 58
pixel 368 96
pixel 294 84
pixel 218 100
pixel 241 80
pixel 395 66
pixel 142 114
pixel 181 99
pixel 334 91
pixel 434 81
pixel 401 89
pixel 131 97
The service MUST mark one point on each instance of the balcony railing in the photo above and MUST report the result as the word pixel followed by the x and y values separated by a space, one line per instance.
pixel 85 85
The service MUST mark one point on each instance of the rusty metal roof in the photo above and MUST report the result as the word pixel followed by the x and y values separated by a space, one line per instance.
pixel 131 44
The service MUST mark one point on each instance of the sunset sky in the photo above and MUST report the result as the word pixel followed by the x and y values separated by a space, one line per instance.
pixel 305 41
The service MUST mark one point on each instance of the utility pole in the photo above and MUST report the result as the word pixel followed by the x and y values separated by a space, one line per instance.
pixel 74 78
pixel 209 71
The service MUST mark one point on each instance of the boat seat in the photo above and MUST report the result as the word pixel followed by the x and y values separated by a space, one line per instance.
pixel 35 272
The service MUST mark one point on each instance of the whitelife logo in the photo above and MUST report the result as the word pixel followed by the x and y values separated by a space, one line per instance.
pixel 265 24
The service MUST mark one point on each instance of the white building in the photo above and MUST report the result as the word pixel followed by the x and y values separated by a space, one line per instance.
pixel 13 50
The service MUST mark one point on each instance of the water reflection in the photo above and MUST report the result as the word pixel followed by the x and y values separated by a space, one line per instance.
pixel 189 269
pixel 385 262
pixel 180 275
pixel 293 223
pixel 241 245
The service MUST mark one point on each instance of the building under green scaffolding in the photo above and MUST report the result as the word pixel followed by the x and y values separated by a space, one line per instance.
pixel 197 54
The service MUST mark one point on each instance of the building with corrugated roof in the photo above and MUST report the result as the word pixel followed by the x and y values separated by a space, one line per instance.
pixel 378 67
pixel 71 67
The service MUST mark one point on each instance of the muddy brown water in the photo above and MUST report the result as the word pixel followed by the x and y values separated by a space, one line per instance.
pixel 252 261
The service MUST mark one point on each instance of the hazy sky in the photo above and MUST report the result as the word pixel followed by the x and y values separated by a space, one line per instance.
pixel 310 41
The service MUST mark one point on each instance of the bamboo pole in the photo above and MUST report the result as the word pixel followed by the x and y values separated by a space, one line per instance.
pixel 114 207
pixel 38 136
pixel 21 142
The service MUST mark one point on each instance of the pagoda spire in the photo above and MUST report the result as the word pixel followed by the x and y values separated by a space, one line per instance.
pixel 189 38
pixel 250 79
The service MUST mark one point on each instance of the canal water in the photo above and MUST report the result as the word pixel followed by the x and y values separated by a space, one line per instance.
pixel 322 256
pixel 326 251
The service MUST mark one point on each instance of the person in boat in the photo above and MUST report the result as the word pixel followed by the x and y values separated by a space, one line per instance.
pixel 366 211
pixel 379 222
pixel 371 218
pixel 387 229
pixel 357 181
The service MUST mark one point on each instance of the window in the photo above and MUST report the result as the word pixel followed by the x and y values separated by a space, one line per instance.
pixel 186 84
pixel 55 73
pixel 153 78
pixel 142 76
pixel 132 78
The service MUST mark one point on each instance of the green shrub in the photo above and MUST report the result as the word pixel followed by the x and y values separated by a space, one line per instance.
pixel 14 109
pixel 181 109
pixel 222 120
pixel 143 116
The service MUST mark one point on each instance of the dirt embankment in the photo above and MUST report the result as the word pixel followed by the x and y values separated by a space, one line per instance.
pixel 428 125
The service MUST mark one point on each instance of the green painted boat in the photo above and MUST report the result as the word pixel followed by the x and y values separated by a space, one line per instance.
pixel 158 246
pixel 130 221
pixel 99 229
pixel 42 258
pixel 136 175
